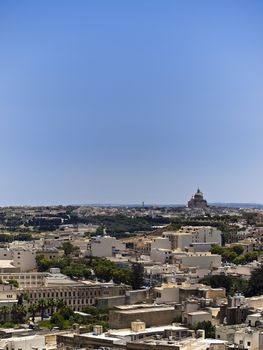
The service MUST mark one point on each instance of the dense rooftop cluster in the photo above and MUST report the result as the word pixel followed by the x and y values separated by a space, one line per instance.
pixel 131 277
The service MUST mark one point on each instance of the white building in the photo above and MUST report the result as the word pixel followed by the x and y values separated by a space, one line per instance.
pixel 194 235
pixel 24 259
pixel 202 261
pixel 167 293
pixel 199 260
pixel 247 338
pixel 170 292
pixel 8 294
pixel 161 242
pixel 21 258
pixel 161 255
pixel 106 246
pixel 5 254
pixel 24 343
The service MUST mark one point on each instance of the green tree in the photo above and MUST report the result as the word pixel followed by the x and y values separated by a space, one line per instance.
pixel 68 248
pixel 33 309
pixel 42 306
pixel 218 281
pixel 60 304
pixel 240 260
pixel 238 285
pixel 57 320
pixel 251 256
pixel 100 231
pixel 4 312
pixel 230 283
pixel 137 276
pixel 255 283
pixel 121 276
pixel 52 304
pixel 92 310
pixel 43 263
pixel 14 283
pixel 18 313
pixel 26 296
pixel 208 328
pixel 66 312
pixel 23 237
pixel 217 249
pixel 77 269
pixel 238 249
pixel 229 255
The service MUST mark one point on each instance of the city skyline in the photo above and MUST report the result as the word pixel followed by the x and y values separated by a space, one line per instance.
pixel 113 102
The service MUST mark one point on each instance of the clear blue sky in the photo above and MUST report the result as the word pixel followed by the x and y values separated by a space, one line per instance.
pixel 130 101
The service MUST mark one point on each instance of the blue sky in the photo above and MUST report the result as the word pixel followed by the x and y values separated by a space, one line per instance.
pixel 130 101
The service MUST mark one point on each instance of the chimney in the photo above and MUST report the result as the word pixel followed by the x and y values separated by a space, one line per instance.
pixel 200 333
pixel 98 329
pixel 137 326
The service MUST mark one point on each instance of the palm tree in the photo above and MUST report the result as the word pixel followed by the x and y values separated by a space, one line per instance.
pixel 4 311
pixel 18 313
pixel 52 303
pixel 33 308
pixel 42 306
pixel 60 304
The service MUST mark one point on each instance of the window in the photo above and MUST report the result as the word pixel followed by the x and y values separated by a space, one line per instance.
pixel 248 343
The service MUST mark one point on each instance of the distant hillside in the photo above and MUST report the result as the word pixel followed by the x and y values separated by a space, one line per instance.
pixel 219 204
pixel 238 205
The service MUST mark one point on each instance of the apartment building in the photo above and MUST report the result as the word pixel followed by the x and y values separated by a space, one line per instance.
pixel 191 235
pixel 106 246
pixel 203 261
pixel 22 259
pixel 178 293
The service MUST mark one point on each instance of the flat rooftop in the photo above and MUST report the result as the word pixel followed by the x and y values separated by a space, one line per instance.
pixel 127 332
pixel 150 309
